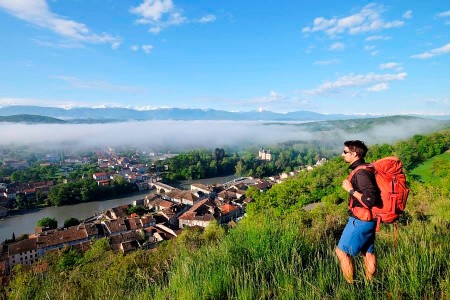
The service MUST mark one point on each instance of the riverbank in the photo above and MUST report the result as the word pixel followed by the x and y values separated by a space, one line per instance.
pixel 24 222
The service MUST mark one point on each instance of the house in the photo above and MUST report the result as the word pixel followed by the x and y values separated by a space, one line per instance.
pixel 120 211
pixel 197 187
pixel 200 214
pixel 23 252
pixel 263 185
pixel 57 239
pixel 100 176
pixel 188 198
pixel 226 195
pixel 159 204
pixel 229 212
pixel 115 227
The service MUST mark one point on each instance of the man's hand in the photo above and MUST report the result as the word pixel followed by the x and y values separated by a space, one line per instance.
pixel 346 185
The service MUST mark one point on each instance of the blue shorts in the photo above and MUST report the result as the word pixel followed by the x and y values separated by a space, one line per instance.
pixel 358 236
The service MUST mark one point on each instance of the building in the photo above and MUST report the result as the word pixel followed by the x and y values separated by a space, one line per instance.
pixel 23 252
pixel 264 155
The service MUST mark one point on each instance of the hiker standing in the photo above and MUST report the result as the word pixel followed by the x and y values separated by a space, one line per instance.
pixel 359 233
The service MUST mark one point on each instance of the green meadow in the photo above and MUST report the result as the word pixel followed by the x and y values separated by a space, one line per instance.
pixel 424 172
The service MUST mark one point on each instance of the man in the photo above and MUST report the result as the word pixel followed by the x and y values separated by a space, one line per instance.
pixel 359 233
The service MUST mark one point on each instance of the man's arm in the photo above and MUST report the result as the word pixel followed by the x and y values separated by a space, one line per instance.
pixel 365 187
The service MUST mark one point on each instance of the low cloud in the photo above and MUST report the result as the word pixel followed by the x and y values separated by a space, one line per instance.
pixel 37 12
pixel 183 135
pixel 434 52
pixel 351 81
pixel 369 19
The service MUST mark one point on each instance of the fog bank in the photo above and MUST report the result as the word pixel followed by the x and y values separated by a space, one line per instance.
pixel 178 135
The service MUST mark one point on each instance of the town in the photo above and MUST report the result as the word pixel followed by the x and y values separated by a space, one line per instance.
pixel 145 223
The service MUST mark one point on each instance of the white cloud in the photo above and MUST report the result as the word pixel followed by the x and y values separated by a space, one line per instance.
pixel 376 52
pixel 391 65
pixel 378 87
pixel 155 30
pixel 407 14
pixel 159 14
pixel 37 12
pixel 147 48
pixel 134 48
pixel 367 20
pixel 337 47
pixel 444 14
pixel 434 52
pixel 207 19
pixel 369 48
pixel 351 80
pixel 378 38
pixel 153 9
pixel 327 62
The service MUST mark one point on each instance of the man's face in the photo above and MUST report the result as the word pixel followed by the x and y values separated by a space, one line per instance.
pixel 348 156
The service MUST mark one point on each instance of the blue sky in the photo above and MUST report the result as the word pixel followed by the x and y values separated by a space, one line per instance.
pixel 350 57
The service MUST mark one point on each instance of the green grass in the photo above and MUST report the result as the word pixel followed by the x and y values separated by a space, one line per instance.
pixel 423 171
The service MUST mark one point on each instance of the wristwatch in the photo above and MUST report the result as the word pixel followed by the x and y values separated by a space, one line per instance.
pixel 351 192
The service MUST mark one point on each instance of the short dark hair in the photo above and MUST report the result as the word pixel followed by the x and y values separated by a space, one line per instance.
pixel 357 146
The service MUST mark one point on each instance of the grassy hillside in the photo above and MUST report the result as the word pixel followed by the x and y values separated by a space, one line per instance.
pixel 279 251
pixel 426 171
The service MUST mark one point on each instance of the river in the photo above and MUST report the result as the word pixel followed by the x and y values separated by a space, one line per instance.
pixel 24 222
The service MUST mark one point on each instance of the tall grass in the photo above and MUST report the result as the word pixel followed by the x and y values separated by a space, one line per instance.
pixel 286 259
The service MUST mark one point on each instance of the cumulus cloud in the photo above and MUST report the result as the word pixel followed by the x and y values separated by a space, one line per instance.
pixel 434 52
pixel 369 19
pixel 337 47
pixel 351 81
pixel 160 14
pixel 37 12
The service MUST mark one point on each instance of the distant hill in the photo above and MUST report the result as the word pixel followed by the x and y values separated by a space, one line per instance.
pixel 31 119
pixel 117 114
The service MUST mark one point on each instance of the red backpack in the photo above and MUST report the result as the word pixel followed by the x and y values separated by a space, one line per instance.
pixel 392 183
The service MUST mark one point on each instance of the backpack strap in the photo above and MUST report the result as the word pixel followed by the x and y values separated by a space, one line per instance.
pixel 368 167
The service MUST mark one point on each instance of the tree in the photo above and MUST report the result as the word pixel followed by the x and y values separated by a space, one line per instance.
pixel 71 222
pixel 47 222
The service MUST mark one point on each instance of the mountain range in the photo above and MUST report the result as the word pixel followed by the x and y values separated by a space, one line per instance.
pixel 123 114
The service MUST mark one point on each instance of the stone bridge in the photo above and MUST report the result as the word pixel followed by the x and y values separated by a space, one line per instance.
pixel 161 187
